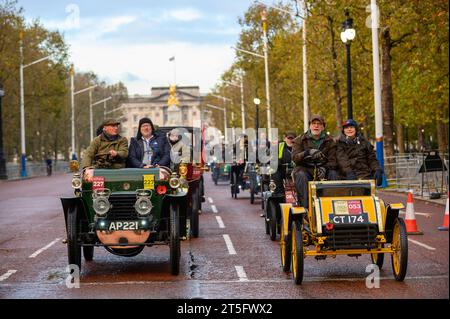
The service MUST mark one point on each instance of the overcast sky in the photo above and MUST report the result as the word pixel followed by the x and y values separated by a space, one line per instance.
pixel 132 40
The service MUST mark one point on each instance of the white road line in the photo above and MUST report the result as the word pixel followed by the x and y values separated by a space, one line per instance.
pixel 33 255
pixel 229 244
pixel 214 209
pixel 420 244
pixel 7 274
pixel 241 273
pixel 210 200
pixel 417 213
pixel 220 222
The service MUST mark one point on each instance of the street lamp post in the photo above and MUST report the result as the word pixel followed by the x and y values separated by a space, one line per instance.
pixel 91 119
pixel 257 101
pixel 241 86
pixel 22 104
pixel 347 35
pixel 3 174
pixel 224 110
pixel 266 69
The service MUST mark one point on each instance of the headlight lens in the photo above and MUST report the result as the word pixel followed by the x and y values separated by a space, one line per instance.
pixel 101 205
pixel 272 186
pixel 76 182
pixel 174 182
pixel 143 206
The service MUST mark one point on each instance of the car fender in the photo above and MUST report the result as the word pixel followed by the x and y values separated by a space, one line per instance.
pixel 392 212
pixel 72 202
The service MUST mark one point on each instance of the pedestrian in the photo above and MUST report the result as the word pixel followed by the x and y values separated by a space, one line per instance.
pixel 179 151
pixel 48 162
pixel 107 150
pixel 314 154
pixel 149 148
pixel 356 156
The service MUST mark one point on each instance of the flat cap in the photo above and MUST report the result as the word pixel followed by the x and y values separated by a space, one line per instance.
pixel 110 122
pixel 317 117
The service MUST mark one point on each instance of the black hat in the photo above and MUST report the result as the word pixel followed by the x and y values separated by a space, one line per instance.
pixel 143 121
pixel 290 133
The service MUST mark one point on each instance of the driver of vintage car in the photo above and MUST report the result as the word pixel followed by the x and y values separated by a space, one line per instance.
pixel 314 155
pixel 107 150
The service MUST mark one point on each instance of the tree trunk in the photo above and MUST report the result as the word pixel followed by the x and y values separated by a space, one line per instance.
pixel 442 136
pixel 387 100
pixel 420 140
pixel 335 77
pixel 400 139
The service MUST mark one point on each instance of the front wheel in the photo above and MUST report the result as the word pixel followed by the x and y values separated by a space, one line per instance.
pixel 195 214
pixel 297 252
pixel 399 244
pixel 285 247
pixel 174 239
pixel 73 247
pixel 88 253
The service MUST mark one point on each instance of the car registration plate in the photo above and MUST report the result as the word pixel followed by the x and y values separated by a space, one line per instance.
pixel 124 225
pixel 348 219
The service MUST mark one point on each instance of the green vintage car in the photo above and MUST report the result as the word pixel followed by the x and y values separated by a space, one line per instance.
pixel 125 210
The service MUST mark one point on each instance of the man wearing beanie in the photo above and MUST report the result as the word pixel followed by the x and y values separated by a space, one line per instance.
pixel 313 146
pixel 356 156
pixel 148 148
pixel 108 149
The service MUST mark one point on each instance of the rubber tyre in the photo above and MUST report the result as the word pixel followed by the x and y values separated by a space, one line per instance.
pixel 399 260
pixel 272 213
pixel 285 248
pixel 297 252
pixel 195 214
pixel 377 259
pixel 88 253
pixel 73 247
pixel 174 243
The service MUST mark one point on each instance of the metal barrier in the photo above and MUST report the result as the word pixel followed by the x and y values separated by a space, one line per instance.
pixel 13 170
pixel 411 173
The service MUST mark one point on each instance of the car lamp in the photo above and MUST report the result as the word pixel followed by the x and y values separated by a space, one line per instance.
pixel 143 205
pixel 76 181
pixel 101 205
pixel 174 181
pixel 272 186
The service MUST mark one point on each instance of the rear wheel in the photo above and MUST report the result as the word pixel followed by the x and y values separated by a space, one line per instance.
pixel 195 211
pixel 234 185
pixel 297 252
pixel 88 253
pixel 73 247
pixel 272 214
pixel 285 247
pixel 174 239
pixel 400 245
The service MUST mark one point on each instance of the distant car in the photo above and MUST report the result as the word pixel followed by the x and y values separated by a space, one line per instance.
pixel 125 210
pixel 345 218
pixel 194 172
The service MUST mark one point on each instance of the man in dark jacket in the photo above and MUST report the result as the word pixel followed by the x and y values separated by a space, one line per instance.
pixel 356 156
pixel 149 148
pixel 314 154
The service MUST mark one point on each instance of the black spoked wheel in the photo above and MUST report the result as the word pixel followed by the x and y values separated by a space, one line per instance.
pixel 88 253
pixel 285 247
pixel 400 246
pixel 174 239
pixel 195 215
pixel 73 247
pixel 377 259
pixel 297 252
pixel 264 188
pixel 272 214
pixel 234 185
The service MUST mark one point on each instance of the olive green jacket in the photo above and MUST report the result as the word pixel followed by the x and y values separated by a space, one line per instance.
pixel 96 153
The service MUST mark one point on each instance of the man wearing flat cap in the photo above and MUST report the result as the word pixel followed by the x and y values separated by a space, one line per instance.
pixel 314 154
pixel 108 149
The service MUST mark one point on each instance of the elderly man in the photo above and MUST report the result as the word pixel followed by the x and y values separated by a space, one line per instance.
pixel 314 154
pixel 107 150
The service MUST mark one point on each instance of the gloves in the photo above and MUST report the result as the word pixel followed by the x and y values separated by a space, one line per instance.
pixel 351 176
pixel 379 176
pixel 321 172
pixel 317 155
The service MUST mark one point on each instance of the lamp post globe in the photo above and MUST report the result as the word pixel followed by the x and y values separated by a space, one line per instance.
pixel 348 34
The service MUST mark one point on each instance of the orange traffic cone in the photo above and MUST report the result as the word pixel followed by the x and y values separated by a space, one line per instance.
pixel 410 218
pixel 445 224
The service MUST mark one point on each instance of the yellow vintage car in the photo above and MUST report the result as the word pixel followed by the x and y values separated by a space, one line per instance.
pixel 345 218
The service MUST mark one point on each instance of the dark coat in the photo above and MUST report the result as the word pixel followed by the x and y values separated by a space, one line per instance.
pixel 159 145
pixel 356 155
pixel 305 142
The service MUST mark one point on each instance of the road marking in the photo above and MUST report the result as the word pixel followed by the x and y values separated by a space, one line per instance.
pixel 220 222
pixel 33 255
pixel 241 273
pixel 214 209
pixel 210 200
pixel 420 244
pixel 416 213
pixel 229 244
pixel 7 274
